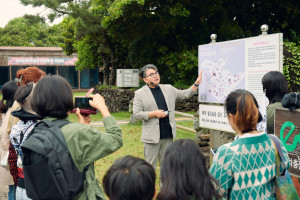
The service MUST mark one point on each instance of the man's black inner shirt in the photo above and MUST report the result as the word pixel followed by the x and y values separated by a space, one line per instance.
pixel 164 125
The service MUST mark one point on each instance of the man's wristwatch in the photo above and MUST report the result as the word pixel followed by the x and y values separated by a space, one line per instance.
pixel 196 84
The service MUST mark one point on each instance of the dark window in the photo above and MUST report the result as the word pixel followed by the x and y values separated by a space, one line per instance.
pixel 70 74
pixel 48 69
pixel 88 78
pixel 14 70
pixel 4 75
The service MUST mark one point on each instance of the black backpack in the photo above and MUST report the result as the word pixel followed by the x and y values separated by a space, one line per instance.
pixel 291 101
pixel 49 170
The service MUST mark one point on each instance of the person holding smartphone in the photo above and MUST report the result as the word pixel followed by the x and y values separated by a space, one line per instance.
pixel 154 104
pixel 53 99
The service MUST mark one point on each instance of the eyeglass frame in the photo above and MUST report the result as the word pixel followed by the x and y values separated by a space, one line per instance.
pixel 153 74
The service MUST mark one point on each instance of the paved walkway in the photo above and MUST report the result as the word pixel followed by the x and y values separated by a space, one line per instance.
pixel 123 122
pixel 3 192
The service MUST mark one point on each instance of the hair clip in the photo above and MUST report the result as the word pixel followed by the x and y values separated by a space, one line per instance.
pixel 19 80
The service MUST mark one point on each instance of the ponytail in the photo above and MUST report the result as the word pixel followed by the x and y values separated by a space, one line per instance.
pixel 247 114
pixel 3 107
pixel 244 108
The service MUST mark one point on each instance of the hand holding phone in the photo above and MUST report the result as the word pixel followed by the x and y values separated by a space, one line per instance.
pixel 98 102
pixel 83 118
pixel 83 103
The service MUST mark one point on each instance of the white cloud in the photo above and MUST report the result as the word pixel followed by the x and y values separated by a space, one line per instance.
pixel 10 9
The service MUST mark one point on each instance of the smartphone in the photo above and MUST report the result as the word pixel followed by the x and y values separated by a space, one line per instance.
pixel 83 104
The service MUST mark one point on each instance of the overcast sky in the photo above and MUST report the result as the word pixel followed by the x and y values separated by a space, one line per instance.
pixel 10 9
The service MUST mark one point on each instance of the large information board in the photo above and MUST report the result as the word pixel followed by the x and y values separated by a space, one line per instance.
pixel 127 77
pixel 237 64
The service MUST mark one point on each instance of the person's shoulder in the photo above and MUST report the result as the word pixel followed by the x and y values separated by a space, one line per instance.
pixel 226 149
pixel 141 89
pixel 15 106
pixel 166 86
pixel 75 129
pixel 75 125
pixel 275 105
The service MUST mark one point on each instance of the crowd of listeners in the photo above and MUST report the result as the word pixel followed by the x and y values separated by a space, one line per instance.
pixel 184 175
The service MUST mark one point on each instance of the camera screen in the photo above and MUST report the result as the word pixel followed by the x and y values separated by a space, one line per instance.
pixel 83 102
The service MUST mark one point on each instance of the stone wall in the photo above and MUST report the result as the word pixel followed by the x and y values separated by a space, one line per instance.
pixel 203 138
pixel 122 99
pixel 119 100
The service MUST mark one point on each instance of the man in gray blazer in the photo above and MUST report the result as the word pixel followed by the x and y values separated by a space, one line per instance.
pixel 154 105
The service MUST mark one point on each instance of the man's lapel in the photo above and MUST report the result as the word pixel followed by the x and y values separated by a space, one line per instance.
pixel 149 95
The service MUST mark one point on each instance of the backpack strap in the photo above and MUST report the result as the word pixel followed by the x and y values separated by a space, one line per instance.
pixel 278 147
pixel 59 123
pixel 278 154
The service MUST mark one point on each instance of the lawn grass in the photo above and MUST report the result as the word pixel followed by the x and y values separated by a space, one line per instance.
pixel 132 145
pixel 122 115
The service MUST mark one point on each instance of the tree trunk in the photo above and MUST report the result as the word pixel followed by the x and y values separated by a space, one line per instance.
pixel 112 76
pixel 106 69
pixel 113 60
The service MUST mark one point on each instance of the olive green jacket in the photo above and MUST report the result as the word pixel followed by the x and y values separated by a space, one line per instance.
pixel 270 116
pixel 86 145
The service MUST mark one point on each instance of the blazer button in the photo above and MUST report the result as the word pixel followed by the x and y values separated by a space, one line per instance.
pixel 157 123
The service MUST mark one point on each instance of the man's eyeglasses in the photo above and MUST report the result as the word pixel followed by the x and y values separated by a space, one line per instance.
pixel 152 74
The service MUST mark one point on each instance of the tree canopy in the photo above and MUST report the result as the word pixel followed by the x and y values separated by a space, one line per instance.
pixel 30 31
pixel 131 33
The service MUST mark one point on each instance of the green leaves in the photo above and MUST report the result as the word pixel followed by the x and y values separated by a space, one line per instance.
pixel 131 33
pixel 291 65
pixel 30 31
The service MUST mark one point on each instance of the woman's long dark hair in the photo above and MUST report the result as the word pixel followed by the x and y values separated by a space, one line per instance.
pixel 184 173
pixel 8 91
pixel 276 86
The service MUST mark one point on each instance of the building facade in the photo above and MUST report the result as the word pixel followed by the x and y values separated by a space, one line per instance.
pixel 52 60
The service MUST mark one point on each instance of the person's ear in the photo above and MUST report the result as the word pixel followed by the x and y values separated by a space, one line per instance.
pixel 230 117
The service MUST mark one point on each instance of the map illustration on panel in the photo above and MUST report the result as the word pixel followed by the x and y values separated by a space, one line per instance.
pixel 223 70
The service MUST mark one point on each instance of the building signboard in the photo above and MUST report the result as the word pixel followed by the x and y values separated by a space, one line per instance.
pixel 127 77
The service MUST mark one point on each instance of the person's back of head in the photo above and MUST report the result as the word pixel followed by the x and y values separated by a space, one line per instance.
pixel 29 74
pixel 129 178
pixel 52 97
pixel 184 174
pixel 242 107
pixel 24 96
pixel 8 92
pixel 276 86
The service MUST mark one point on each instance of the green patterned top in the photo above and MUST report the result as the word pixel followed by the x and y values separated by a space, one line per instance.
pixel 245 168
